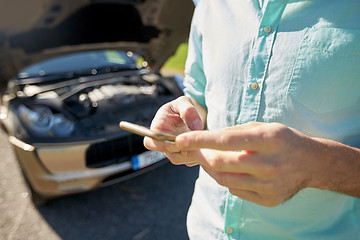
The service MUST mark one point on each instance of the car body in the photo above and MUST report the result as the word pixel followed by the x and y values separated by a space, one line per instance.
pixel 70 71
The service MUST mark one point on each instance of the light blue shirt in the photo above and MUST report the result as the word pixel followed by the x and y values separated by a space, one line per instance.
pixel 293 62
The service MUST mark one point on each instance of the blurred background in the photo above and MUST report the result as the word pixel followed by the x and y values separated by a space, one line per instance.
pixel 150 206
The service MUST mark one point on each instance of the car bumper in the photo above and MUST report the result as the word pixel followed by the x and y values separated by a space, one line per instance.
pixel 56 170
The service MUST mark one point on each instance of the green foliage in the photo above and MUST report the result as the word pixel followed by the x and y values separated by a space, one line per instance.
pixel 177 61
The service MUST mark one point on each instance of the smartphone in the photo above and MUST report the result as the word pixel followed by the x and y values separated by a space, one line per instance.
pixel 146 132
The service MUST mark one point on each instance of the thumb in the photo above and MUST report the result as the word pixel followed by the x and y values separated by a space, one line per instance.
pixel 188 113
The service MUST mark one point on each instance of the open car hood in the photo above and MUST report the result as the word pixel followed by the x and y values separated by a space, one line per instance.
pixel 35 30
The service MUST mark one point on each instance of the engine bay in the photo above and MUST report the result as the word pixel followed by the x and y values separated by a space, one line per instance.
pixel 90 107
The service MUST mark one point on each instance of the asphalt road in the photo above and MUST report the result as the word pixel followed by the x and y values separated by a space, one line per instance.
pixel 149 207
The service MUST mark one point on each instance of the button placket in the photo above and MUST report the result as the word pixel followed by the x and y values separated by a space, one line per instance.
pixel 259 60
pixel 233 212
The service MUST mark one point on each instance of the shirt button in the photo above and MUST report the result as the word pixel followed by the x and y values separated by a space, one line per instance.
pixel 267 29
pixel 254 85
pixel 229 230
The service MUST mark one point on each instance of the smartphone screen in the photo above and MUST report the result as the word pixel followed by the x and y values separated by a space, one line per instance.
pixel 146 132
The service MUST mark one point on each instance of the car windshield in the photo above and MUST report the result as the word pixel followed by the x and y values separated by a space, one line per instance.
pixel 80 63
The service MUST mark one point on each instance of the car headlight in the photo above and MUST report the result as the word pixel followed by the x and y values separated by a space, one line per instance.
pixel 43 122
pixel 63 127
pixel 39 119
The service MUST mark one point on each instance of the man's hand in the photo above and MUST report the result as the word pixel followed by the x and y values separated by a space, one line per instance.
pixel 266 163
pixel 176 117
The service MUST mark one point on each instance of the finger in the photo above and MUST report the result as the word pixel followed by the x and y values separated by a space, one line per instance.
pixel 243 181
pixel 188 113
pixel 178 158
pixel 233 180
pixel 228 161
pixel 245 187
pixel 226 140
pixel 248 196
pixel 166 120
pixel 248 125
pixel 257 197
pixel 159 146
pixel 254 164
pixel 192 164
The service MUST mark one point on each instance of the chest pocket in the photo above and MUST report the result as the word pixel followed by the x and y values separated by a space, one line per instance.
pixel 326 73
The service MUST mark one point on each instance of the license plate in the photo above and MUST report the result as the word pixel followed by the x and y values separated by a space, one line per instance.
pixel 145 159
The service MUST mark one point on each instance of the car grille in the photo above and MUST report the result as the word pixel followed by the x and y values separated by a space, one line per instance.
pixel 114 151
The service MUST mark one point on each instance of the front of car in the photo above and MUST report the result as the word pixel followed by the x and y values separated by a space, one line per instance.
pixel 70 87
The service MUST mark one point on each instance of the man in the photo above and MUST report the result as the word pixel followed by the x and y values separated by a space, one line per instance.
pixel 277 85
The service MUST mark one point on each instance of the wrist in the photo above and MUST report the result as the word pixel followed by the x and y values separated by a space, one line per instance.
pixel 335 167
pixel 318 155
